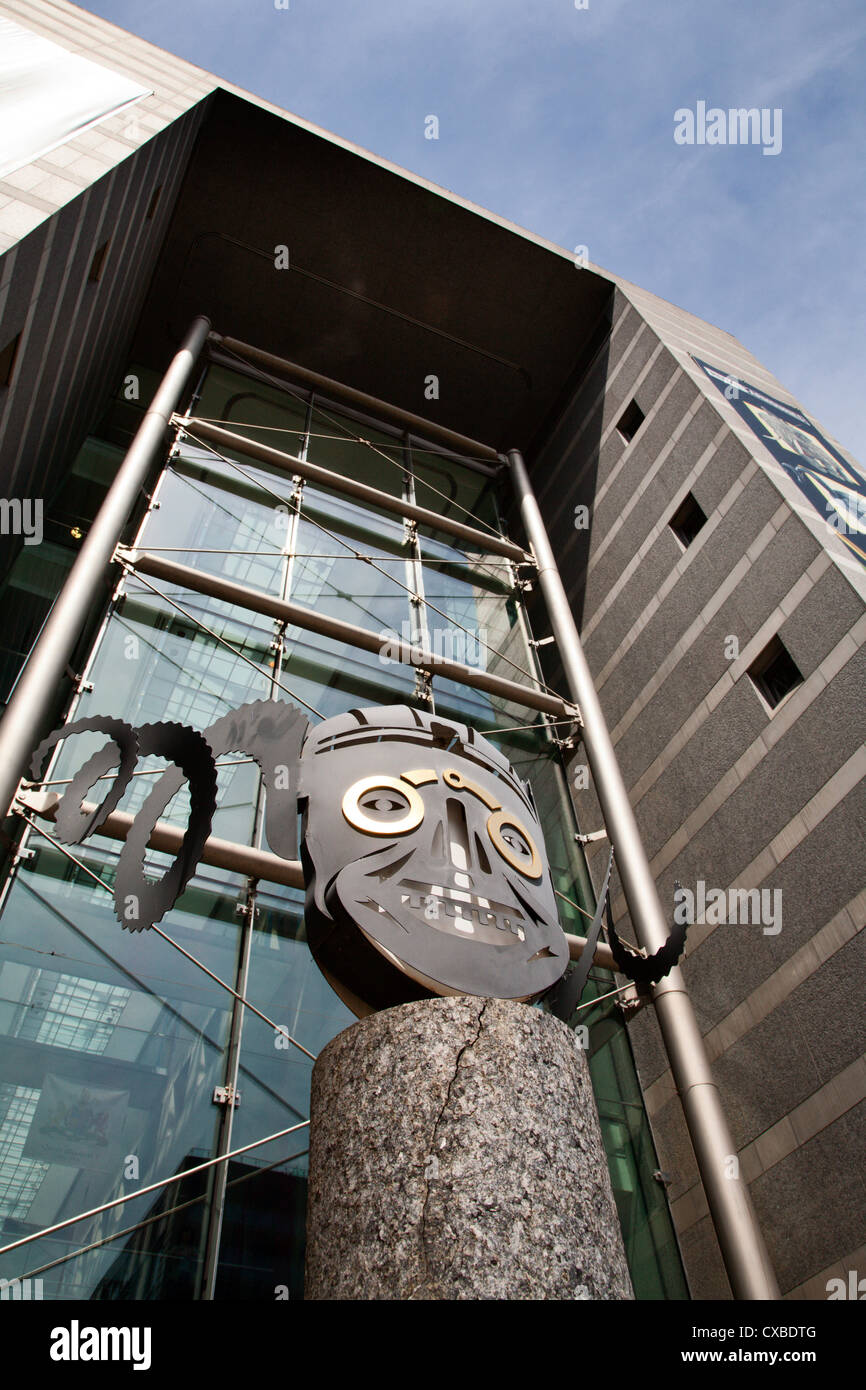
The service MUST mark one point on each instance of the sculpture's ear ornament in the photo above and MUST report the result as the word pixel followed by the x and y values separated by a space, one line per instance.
pixel 271 732
pixel 268 731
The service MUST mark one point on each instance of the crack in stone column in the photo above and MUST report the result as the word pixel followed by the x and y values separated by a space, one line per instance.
pixel 509 1131
pixel 422 1224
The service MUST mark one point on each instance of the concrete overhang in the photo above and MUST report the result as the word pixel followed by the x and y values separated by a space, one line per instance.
pixel 390 281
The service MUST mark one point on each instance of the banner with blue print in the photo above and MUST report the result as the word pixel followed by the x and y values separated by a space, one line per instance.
pixel 834 486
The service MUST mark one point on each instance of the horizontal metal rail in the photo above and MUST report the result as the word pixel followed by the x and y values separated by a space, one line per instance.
pixel 220 854
pixel 283 611
pixel 371 496
pixel 359 400
pixel 241 859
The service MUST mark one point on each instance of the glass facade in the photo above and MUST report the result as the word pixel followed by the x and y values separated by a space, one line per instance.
pixel 114 1042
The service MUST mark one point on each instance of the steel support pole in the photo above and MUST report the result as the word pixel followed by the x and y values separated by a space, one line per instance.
pixel 219 1176
pixel 84 589
pixel 743 1250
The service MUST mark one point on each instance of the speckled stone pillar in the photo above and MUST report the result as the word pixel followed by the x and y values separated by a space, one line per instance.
pixel 455 1153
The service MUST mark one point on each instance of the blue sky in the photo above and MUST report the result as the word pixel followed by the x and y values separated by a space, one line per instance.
pixel 562 120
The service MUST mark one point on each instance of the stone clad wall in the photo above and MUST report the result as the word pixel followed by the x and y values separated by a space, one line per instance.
pixel 726 790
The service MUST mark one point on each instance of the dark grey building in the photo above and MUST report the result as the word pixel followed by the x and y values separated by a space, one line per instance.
pixel 711 539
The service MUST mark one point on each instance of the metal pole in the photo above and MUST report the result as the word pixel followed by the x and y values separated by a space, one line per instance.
pixel 221 854
pixel 200 582
pixel 743 1250
pixel 360 400
pixel 84 590
pixel 219 1176
pixel 227 440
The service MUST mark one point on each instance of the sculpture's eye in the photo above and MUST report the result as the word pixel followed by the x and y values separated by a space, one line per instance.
pixel 381 805
pixel 515 844
pixel 519 847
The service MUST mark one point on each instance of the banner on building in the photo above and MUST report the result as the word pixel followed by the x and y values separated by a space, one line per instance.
pixel 836 489
pixel 48 95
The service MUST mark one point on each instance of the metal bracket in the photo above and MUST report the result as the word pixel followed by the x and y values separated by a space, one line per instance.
pixel 39 803
pixel 226 1095
pixel 541 641
pixel 82 686
pixel 423 686
pixel 592 837
pixel 246 910
pixel 631 1001
pixel 570 742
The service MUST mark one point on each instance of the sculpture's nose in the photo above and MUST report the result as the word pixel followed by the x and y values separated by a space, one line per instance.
pixel 466 852
pixel 458 841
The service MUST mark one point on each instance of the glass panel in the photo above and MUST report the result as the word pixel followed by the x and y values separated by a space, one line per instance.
pixel 328 578
pixel 459 493
pixel 112 1045
pixel 654 1260
pixel 356 449
pixel 258 1254
pixel 334 676
pixel 219 532
pixel 37 573
pixel 26 596
pixel 258 411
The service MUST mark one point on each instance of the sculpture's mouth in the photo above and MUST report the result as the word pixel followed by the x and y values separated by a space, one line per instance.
pixel 461 910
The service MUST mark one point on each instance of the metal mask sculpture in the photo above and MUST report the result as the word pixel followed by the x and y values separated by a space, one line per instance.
pixel 422 851
pixel 424 863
